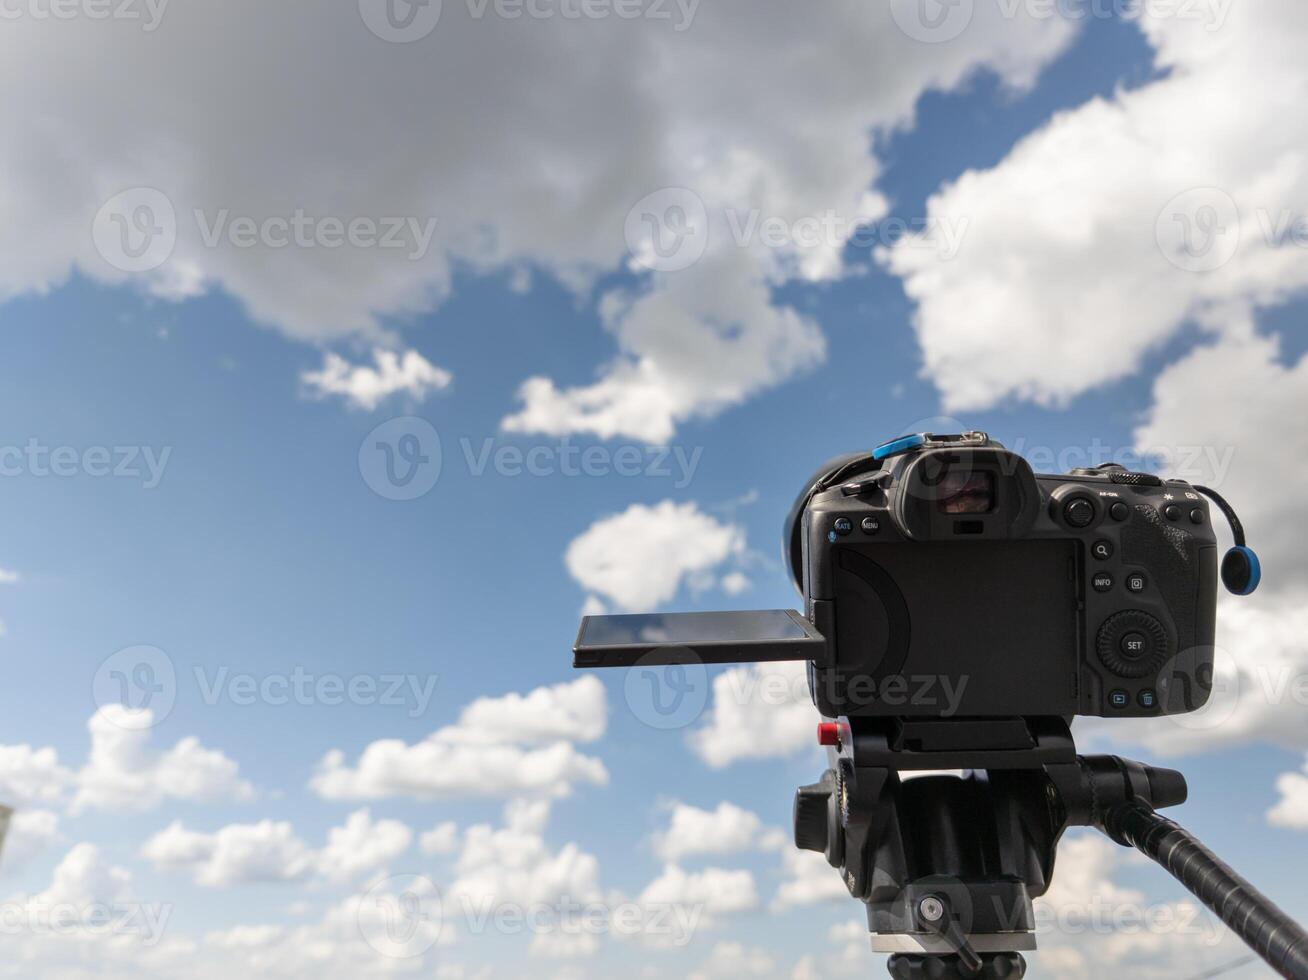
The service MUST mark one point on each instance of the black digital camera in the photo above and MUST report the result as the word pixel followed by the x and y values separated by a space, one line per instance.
pixel 942 578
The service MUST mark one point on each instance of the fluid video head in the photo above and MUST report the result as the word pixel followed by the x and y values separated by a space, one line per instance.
pixel 942 578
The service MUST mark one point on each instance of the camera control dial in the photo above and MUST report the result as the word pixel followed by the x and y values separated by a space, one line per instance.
pixel 1132 643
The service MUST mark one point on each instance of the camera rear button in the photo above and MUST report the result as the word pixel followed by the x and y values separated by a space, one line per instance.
pixel 1135 582
pixel 1102 549
pixel 843 525
pixel 1119 699
pixel 1101 581
pixel 1119 511
pixel 1147 699
pixel 871 525
pixel 1134 646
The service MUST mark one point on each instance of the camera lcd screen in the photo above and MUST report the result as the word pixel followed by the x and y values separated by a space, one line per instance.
pixel 966 492
pixel 706 637
pixel 713 627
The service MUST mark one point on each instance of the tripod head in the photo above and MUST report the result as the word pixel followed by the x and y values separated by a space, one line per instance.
pixel 948 865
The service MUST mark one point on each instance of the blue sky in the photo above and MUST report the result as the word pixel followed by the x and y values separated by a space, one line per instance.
pixel 261 549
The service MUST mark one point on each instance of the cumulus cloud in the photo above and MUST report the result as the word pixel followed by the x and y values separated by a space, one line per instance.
pixel 727 829
pixel 498 182
pixel 510 746
pixel 264 851
pixel 760 711
pixel 1105 231
pixel 366 387
pixel 271 851
pixel 808 880
pixel 716 891
pixel 1291 810
pixel 9 577
pixel 31 832
pixel 730 959
pixel 123 772
pixel 642 557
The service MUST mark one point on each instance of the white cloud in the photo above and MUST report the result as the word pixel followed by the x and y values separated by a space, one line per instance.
pixel 366 387
pixel 271 851
pixel 124 773
pixel 238 853
pixel 509 746
pixel 31 832
pixel 512 183
pixel 640 558
pixel 760 711
pixel 809 880
pixel 30 776
pixel 731 959
pixel 727 829
pixel 9 577
pixel 717 891
pixel 441 839
pixel 575 710
pixel 1291 810
pixel 1072 270
pixel 362 845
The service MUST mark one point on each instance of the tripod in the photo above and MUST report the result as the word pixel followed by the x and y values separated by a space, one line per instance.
pixel 948 866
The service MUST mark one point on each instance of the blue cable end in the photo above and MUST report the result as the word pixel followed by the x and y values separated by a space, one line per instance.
pixel 1241 570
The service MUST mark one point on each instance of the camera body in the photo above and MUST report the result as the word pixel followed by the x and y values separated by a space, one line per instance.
pixel 954 581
